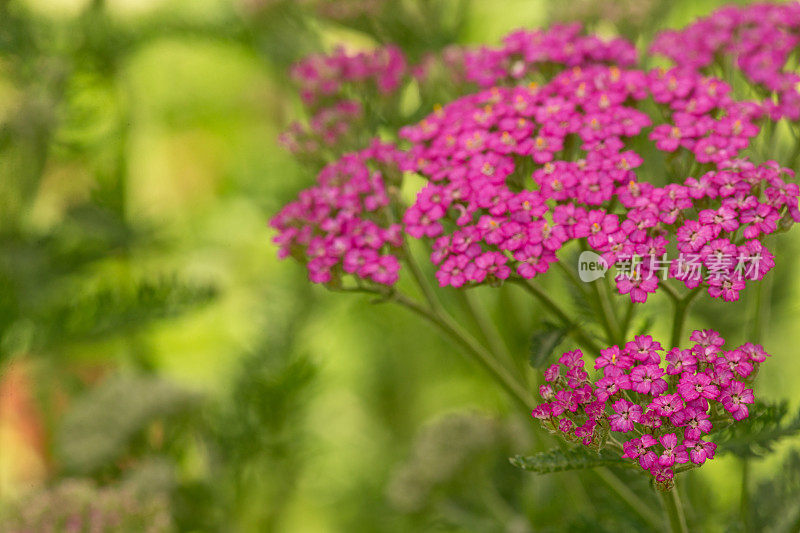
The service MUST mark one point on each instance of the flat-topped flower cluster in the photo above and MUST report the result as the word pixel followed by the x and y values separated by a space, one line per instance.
pixel 757 40
pixel 343 224
pixel 661 406
pixel 333 86
pixel 515 173
pixel 526 53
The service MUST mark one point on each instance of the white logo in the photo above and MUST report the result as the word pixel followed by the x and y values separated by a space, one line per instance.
pixel 591 266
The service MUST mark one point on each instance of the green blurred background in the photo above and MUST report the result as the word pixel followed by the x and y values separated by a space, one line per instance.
pixel 158 362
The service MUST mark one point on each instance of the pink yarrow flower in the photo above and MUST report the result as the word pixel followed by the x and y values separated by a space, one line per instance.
pixel 668 412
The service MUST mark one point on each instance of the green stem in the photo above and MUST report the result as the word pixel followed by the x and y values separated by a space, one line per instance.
pixel 449 326
pixel 626 322
pixel 791 160
pixel 757 321
pixel 488 330
pixel 760 310
pixel 601 306
pixel 519 393
pixel 681 308
pixel 744 499
pixel 629 497
pixel 674 511
pixel 671 292
pixel 578 333
pixel 608 311
pixel 615 321
pixel 420 278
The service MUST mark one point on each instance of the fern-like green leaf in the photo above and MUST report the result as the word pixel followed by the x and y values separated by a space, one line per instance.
pixel 111 310
pixel 544 342
pixel 557 460
pixel 757 435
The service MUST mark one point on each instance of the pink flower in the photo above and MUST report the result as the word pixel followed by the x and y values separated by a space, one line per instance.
pixel 696 422
pixel 644 349
pixel 637 448
pixel 673 453
pixel 613 357
pixel 452 271
pixel 693 386
pixel 734 398
pixel 638 288
pixel 552 372
pixel 646 379
pixel 625 414
pixel 703 386
pixel 669 405
pixel 332 226
pixel 680 361
pixel 573 359
pixel 699 450
pixel 736 361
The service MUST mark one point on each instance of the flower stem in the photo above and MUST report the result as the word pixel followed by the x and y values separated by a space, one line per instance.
pixel 681 308
pixel 744 497
pixel 760 312
pixel 578 333
pixel 489 331
pixel 419 278
pixel 626 322
pixel 629 497
pixel 674 510
pixel 609 312
pixel 602 305
pixel 485 358
pixel 760 309
pixel 449 326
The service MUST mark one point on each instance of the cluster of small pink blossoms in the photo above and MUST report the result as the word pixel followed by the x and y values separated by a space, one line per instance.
pixel 737 205
pixel 327 128
pixel 343 224
pixel 331 86
pixel 758 39
pixel 661 408
pixel 516 173
pixel 324 77
pixel 528 52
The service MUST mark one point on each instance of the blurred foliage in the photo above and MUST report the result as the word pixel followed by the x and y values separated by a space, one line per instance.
pixel 78 505
pixel 178 372
pixel 776 503
pixel 100 427
pixel 256 441
pixel 760 433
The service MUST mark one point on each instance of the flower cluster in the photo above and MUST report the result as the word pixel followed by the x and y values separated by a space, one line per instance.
pixel 628 16
pixel 741 203
pixel 343 224
pixel 516 173
pixel 324 77
pixel 326 129
pixel 758 40
pixel 334 87
pixel 526 52
pixel 660 405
